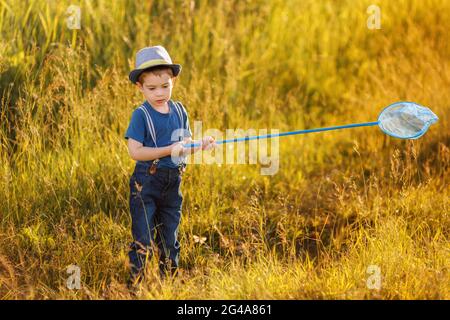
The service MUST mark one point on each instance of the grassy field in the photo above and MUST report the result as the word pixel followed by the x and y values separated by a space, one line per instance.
pixel 341 201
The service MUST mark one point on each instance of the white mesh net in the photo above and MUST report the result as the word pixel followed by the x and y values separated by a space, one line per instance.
pixel 406 120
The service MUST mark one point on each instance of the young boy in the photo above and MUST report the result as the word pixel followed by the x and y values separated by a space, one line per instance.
pixel 156 134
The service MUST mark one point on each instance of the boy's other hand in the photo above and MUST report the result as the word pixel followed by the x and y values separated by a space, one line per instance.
pixel 179 150
pixel 208 143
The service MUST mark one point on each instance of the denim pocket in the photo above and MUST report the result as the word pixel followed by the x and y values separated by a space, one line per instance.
pixel 138 180
pixel 135 186
pixel 141 173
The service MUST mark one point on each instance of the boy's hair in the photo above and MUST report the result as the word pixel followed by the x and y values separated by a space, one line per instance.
pixel 157 70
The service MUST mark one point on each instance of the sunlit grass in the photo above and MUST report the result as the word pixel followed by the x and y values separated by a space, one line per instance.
pixel 340 202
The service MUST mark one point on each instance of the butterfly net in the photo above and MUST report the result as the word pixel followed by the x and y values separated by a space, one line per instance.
pixel 406 120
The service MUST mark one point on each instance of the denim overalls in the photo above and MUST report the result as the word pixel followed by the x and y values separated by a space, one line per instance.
pixel 155 205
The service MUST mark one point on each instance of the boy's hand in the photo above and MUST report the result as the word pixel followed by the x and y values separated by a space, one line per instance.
pixel 180 151
pixel 208 143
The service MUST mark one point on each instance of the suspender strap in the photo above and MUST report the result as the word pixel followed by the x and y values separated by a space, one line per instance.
pixel 151 127
pixel 178 108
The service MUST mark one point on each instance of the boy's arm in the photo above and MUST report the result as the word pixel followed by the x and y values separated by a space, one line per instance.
pixel 138 152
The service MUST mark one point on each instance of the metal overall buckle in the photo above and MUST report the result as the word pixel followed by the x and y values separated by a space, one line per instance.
pixel 152 168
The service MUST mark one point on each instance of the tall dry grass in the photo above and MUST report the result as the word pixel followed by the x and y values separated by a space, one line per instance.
pixel 341 201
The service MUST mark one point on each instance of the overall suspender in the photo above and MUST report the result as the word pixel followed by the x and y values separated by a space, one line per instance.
pixel 152 131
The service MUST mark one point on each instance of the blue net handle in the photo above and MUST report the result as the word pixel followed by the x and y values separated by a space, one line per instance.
pixel 290 133
pixel 404 120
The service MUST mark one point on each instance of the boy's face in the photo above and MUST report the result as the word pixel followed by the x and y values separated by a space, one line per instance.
pixel 157 89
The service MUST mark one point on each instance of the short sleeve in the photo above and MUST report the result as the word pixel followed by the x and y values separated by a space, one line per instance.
pixel 136 128
pixel 187 132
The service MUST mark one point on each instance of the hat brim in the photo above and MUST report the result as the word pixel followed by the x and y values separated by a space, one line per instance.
pixel 134 74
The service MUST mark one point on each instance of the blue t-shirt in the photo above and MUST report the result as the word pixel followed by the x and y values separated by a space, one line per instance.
pixel 164 123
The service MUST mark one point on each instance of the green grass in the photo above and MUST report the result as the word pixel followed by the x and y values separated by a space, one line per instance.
pixel 340 202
